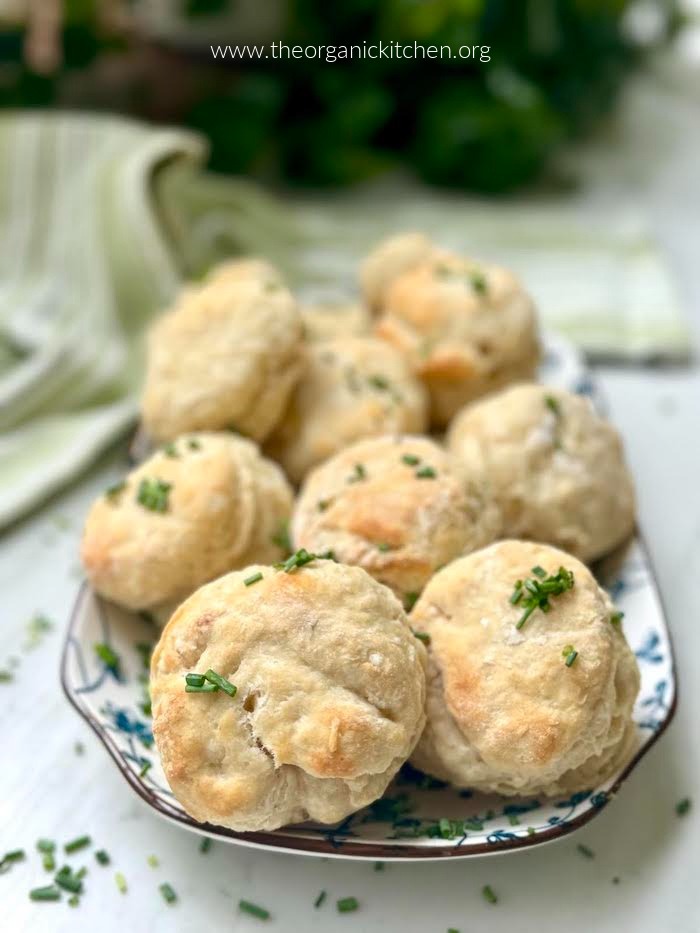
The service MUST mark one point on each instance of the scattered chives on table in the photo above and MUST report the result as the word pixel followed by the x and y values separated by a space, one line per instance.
pixel 254 910
pixel 75 844
pixel 102 857
pixel 169 895
pixel 347 904
pixel 48 893
pixel 120 881
pixel 320 899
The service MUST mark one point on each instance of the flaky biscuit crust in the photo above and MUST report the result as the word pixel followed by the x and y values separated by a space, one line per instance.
pixel 505 713
pixel 226 356
pixel 557 469
pixel 225 505
pixel 466 329
pixel 352 387
pixel 326 320
pixel 387 261
pixel 372 508
pixel 330 701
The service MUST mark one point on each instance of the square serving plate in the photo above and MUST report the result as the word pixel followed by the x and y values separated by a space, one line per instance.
pixel 418 818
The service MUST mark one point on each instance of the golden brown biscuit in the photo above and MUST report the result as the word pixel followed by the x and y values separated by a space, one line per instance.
pixel 557 469
pixel 201 506
pixel 250 268
pixel 466 329
pixel 387 261
pixel 506 712
pixel 330 696
pixel 352 387
pixel 327 320
pixel 226 356
pixel 399 507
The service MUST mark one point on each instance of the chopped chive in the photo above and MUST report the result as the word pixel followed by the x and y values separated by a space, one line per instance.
pixel 323 504
pixel 76 844
pixel 194 444
pixel 81 872
pixel 112 493
pixel 205 844
pixel 359 474
pixel 145 767
pixel 383 546
pixel 379 866
pixel 195 680
pixel 102 857
pixel 478 280
pixel 410 459
pixel 48 893
pixel 120 882
pixel 585 850
pixel 170 450
pixel 347 904
pixel 531 830
pixel 6 677
pixel 206 688
pixel 300 558
pixel 513 820
pixel 552 404
pixel 426 472
pixel 379 382
pixel 616 618
pixel 409 601
pixel 153 861
pixel 153 494
pixel 320 899
pixel 254 910
pixel 9 858
pixel 46 845
pixel 253 578
pixel 535 592
pixel 489 894
pixel 452 930
pixel 169 895
pixel 683 806
pixel 422 636
pixel 68 881
pixel 73 900
pixel 48 861
pixel 221 682
pixel 539 572
pixel 571 657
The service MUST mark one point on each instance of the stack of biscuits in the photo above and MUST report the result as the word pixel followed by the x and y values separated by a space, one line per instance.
pixel 366 531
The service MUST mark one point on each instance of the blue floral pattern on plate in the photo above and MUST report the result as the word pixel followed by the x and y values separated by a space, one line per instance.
pixel 419 817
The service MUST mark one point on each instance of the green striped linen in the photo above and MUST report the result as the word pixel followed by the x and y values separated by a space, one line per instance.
pixel 101 218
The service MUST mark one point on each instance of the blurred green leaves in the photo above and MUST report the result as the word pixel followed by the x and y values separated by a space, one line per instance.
pixel 555 68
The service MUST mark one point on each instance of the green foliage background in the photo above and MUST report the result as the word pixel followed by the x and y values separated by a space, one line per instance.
pixel 556 67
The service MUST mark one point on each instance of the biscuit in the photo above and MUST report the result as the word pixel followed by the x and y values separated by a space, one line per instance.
pixel 352 387
pixel 465 328
pixel 203 505
pixel 326 320
pixel 330 696
pixel 226 356
pixel 557 469
pixel 399 507
pixel 506 714
pixel 387 261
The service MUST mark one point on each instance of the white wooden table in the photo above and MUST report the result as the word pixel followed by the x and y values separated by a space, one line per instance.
pixel 46 790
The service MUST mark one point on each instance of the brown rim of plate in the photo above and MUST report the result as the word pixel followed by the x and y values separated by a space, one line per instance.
pixel 346 847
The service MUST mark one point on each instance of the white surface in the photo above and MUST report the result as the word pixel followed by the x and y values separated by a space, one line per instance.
pixel 45 790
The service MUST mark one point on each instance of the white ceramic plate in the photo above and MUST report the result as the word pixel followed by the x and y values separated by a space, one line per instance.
pixel 417 818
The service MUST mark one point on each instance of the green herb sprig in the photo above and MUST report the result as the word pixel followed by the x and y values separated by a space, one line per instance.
pixel 536 591
pixel 153 494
